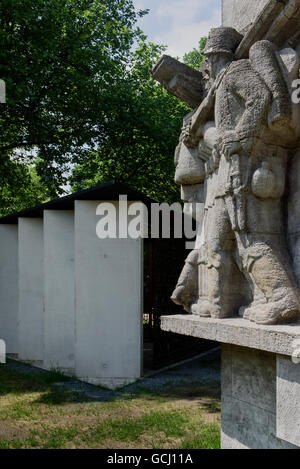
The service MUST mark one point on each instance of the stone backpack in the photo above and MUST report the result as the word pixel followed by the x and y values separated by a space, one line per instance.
pixel 278 69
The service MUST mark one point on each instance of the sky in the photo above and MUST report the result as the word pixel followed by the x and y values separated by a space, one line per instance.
pixel 179 24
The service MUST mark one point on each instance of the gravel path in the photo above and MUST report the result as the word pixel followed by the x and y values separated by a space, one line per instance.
pixel 205 368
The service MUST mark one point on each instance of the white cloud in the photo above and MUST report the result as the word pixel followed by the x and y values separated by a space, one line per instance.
pixel 182 37
pixel 184 11
pixel 179 23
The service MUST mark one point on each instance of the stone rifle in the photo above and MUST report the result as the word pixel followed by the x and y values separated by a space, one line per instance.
pixel 204 112
pixel 179 79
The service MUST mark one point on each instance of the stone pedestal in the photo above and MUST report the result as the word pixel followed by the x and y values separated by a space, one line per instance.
pixel 260 379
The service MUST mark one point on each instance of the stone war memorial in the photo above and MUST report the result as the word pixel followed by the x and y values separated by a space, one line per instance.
pixel 239 156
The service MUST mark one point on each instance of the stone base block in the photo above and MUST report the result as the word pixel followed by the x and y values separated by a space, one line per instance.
pixel 249 395
pixel 260 379
pixel 288 400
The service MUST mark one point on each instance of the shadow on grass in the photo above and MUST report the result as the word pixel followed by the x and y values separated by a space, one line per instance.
pixel 56 389
pixel 183 426
pixel 31 380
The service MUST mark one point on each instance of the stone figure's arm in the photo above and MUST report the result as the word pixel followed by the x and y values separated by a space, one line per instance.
pixel 256 98
pixel 203 114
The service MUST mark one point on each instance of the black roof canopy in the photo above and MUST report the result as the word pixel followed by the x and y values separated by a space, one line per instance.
pixel 108 191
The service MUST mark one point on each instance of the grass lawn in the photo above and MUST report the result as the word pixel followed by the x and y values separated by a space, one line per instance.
pixel 36 413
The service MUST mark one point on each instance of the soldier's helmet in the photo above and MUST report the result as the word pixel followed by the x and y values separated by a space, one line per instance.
pixel 222 40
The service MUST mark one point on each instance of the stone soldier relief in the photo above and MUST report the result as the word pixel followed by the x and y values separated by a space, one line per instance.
pixel 239 158
pixel 233 155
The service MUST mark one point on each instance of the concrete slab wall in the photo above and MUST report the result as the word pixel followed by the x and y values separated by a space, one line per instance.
pixel 240 14
pixel 288 399
pixel 31 286
pixel 294 213
pixel 108 302
pixel 249 396
pixel 9 287
pixel 59 291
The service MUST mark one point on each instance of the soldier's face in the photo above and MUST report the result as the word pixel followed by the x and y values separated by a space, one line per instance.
pixel 217 62
pixel 213 62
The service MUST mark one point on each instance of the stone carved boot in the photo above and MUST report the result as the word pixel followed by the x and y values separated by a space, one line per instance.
pixel 281 299
pixel 202 308
pixel 276 313
pixel 249 312
pixel 180 298
pixel 215 307
pixel 222 274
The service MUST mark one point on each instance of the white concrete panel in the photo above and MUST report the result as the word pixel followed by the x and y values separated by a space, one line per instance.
pixel 9 287
pixel 31 290
pixel 108 302
pixel 59 290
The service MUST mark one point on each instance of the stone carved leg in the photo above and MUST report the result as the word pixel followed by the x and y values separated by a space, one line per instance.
pixel 186 290
pixel 262 253
pixel 265 262
pixel 222 270
pixel 191 289
pixel 201 307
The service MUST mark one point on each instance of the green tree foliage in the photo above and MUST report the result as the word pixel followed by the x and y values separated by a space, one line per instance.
pixel 143 134
pixel 80 96
pixel 63 62
pixel 20 187
pixel 195 57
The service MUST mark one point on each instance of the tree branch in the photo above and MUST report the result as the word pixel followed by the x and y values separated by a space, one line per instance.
pixel 23 145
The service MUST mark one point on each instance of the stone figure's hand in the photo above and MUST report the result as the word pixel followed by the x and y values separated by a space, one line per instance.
pixel 247 145
pixel 229 149
pixel 184 131
pixel 189 139
pixel 231 144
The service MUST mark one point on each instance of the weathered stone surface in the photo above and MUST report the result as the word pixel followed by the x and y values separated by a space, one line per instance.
pixel 285 24
pixel 244 426
pixel 238 144
pixel 249 400
pixel 241 14
pixel 294 213
pixel 179 79
pixel 275 20
pixel 236 331
pixel 290 59
pixel 288 400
